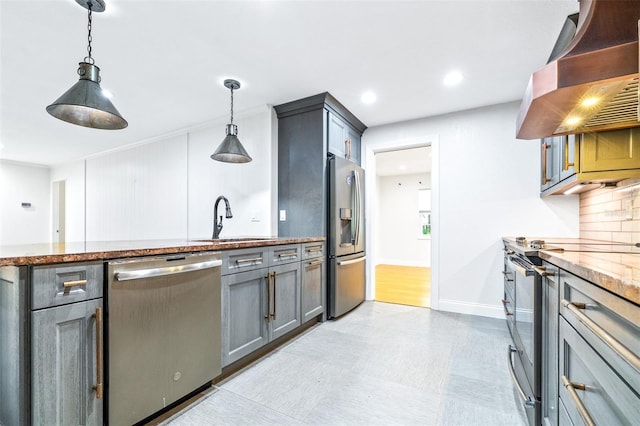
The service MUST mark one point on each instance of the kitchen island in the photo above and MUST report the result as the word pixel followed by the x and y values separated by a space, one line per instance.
pixel 52 298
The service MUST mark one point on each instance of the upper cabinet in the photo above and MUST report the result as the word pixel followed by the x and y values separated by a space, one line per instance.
pixel 308 130
pixel 573 163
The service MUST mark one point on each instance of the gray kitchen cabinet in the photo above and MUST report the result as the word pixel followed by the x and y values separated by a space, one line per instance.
pixel 599 354
pixel 66 344
pixel 309 129
pixel 554 165
pixel 262 303
pixel 64 370
pixel 343 140
pixel 244 309
pixel 313 270
pixel 550 312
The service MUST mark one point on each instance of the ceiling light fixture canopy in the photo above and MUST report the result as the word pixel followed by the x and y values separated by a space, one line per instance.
pixel 231 150
pixel 85 104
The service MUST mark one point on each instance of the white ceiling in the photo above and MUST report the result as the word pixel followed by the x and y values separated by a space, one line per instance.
pixel 164 61
pixel 404 162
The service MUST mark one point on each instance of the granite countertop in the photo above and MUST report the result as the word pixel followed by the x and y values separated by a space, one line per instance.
pixel 41 254
pixel 611 266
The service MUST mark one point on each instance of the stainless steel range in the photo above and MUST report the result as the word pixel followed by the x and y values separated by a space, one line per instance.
pixel 523 311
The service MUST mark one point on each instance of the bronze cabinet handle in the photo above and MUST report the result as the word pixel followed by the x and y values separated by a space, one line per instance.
pixel 99 350
pixel 290 254
pixel 545 146
pixel 68 284
pixel 268 278
pixel 582 410
pixel 566 164
pixel 506 312
pixel 275 293
pixel 315 262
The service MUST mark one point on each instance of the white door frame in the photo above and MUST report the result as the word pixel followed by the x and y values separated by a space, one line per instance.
pixel 370 200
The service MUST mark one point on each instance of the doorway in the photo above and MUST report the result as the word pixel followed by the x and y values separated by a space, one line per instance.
pixel 403 226
pixel 58 211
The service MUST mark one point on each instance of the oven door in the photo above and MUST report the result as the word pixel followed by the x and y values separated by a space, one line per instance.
pixel 525 355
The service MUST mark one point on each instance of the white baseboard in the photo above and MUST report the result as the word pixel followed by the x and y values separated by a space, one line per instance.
pixel 491 311
pixel 403 262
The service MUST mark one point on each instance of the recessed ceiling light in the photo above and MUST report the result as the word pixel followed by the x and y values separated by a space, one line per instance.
pixel 453 78
pixel 368 97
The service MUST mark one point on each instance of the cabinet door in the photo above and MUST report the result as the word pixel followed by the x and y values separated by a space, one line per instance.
pixel 64 365
pixel 244 328
pixel 313 288
pixel 550 166
pixel 354 139
pixel 285 304
pixel 613 150
pixel 337 134
pixel 567 156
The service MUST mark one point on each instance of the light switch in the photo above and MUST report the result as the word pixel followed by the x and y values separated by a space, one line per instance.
pixel 283 215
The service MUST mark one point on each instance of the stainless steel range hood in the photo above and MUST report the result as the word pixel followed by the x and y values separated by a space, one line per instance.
pixel 592 84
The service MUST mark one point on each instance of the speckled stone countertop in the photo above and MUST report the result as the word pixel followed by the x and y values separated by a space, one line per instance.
pixel 41 254
pixel 611 266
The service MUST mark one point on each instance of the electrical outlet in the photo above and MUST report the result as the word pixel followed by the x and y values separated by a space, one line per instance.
pixel 283 215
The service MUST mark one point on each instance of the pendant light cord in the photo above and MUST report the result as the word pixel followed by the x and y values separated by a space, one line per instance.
pixel 89 59
pixel 231 104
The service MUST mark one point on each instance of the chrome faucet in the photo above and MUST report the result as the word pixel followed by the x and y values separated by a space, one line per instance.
pixel 217 226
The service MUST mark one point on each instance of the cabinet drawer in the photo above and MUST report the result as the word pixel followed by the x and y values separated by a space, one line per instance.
pixel 610 324
pixel 54 285
pixel 312 250
pixel 234 261
pixel 587 380
pixel 279 255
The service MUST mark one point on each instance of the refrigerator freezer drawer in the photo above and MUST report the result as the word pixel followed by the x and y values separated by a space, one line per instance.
pixel 348 289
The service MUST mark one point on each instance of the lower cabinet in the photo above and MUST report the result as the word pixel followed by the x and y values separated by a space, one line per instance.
pixel 259 306
pixel 65 369
pixel 314 280
pixel 550 344
pixel 67 344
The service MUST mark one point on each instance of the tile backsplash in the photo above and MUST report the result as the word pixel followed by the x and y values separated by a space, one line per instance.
pixel 610 215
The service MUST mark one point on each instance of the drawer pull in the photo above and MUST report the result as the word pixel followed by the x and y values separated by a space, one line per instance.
pixel 571 388
pixel 541 270
pixel 68 284
pixel 315 262
pixel 254 259
pixel 622 350
pixel 314 250
pixel 290 254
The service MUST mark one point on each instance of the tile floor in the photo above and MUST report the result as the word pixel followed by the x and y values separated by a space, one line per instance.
pixel 381 364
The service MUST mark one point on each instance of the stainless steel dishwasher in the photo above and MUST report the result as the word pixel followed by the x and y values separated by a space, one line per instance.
pixel 163 326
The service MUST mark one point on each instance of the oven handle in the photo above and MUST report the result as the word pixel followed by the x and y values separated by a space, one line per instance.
pixel 525 399
pixel 520 269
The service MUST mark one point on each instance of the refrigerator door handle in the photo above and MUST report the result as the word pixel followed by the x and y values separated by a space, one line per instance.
pixel 357 205
pixel 350 262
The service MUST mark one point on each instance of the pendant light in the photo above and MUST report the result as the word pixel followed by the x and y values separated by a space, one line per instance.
pixel 85 104
pixel 231 150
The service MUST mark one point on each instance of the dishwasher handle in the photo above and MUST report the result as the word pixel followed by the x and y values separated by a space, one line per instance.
pixel 167 270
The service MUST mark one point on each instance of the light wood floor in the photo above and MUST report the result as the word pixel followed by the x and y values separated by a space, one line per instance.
pixel 405 285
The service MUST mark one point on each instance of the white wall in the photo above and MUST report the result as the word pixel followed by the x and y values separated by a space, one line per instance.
pixel 24 183
pixel 485 186
pixel 247 186
pixel 166 188
pixel 399 241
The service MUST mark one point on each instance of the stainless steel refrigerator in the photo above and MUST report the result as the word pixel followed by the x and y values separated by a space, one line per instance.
pixel 346 280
